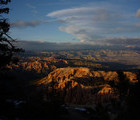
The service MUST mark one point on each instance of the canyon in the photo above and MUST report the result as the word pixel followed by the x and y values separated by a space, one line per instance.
pixel 75 85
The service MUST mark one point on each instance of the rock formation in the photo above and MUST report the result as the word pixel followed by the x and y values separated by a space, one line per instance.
pixel 79 85
pixel 39 65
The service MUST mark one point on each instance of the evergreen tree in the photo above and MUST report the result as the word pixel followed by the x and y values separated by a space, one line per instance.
pixel 123 85
pixel 6 42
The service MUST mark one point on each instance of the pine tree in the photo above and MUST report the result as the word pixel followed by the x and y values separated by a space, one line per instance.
pixel 6 42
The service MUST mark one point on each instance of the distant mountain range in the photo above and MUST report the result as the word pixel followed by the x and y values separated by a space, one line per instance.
pixel 113 44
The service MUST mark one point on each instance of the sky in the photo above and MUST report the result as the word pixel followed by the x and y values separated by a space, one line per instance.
pixel 74 21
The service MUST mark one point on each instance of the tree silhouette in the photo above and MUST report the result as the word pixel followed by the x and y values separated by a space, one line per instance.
pixel 123 85
pixel 6 42
pixel 134 101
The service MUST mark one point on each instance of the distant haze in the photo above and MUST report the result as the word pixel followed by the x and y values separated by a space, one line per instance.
pixel 120 43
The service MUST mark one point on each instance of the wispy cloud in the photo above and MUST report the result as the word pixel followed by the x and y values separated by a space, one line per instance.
pixel 33 8
pixel 24 24
pixel 123 41
pixel 30 6
pixel 68 12
pixel 93 22
pixel 138 13
pixel 119 43
pixel 34 11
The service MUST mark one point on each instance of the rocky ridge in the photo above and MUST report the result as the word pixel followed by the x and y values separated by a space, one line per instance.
pixel 80 85
pixel 39 65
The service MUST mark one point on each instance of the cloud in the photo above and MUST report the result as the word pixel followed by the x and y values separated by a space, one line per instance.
pixel 119 43
pixel 94 22
pixel 138 13
pixel 123 41
pixel 68 12
pixel 81 33
pixel 34 11
pixel 30 6
pixel 33 8
pixel 41 45
pixel 83 22
pixel 24 24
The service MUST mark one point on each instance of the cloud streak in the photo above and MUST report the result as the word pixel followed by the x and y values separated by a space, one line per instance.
pixel 119 43
pixel 138 13
pixel 124 41
pixel 25 24
pixel 30 6
pixel 68 12
pixel 92 23
pixel 33 8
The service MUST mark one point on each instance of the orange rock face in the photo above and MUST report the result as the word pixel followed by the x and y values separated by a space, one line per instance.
pixel 79 85
pixel 39 65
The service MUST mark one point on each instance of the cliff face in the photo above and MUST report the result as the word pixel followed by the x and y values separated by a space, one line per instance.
pixel 39 65
pixel 65 74
pixel 84 75
pixel 77 85
pixel 80 85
